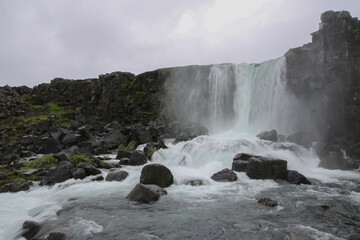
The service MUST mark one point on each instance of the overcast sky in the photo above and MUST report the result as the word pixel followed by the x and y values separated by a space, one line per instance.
pixel 43 39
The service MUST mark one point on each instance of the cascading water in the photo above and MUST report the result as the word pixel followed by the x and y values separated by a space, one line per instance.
pixel 247 98
pixel 235 102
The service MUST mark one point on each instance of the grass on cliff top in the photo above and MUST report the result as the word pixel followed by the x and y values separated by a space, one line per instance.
pixel 16 125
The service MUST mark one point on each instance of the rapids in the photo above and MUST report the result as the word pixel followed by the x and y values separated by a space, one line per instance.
pixel 235 102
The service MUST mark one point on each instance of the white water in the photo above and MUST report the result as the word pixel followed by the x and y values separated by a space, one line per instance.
pixel 235 102
pixel 246 98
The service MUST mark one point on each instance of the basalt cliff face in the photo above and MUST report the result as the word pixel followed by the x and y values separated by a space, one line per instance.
pixel 326 74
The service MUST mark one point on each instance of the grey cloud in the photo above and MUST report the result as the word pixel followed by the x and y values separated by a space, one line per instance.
pixel 42 39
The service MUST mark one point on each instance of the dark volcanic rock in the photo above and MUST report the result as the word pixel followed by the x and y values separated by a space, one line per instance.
pixel 50 146
pixel 123 154
pixel 225 175
pixel 78 173
pixel 266 168
pixel 57 236
pixel 146 193
pixel 194 182
pixel 300 138
pixel 89 168
pixel 118 175
pixel 268 135
pixel 295 177
pixel 156 174
pixel 30 229
pixel 61 173
pixel 268 202
pixel 16 187
pixel 137 158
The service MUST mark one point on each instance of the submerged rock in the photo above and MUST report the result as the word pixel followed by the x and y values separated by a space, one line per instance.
pixel 300 138
pixel 117 175
pixel 268 135
pixel 266 168
pixel 268 202
pixel 225 175
pixel 57 236
pixel 156 174
pixel 16 187
pixel 31 228
pixel 195 182
pixel 144 193
pixel 296 178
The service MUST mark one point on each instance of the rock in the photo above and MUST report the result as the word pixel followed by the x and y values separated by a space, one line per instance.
pixel 50 146
pixel 57 236
pixel 146 193
pixel 296 178
pixel 266 168
pixel 118 175
pixel 194 182
pixel 78 173
pixel 61 173
pixel 16 187
pixel 156 174
pixel 3 175
pixel 72 139
pixel 137 158
pixel 113 139
pixel 338 160
pixel 268 202
pixel 225 175
pixel 326 206
pixel 141 134
pixel 124 161
pixel 31 228
pixel 242 156
pixel 60 157
pixel 268 135
pixel 123 154
pixel 239 165
pixel 300 138
pixel 106 165
pixel 89 168
pixel 98 178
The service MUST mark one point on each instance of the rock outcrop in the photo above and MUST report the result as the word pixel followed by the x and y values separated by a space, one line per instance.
pixel 325 73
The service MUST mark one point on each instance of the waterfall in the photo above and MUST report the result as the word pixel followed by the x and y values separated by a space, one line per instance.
pixel 248 98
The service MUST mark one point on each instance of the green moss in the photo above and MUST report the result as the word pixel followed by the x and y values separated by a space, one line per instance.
pixel 63 122
pixel 76 159
pixel 26 98
pixel 128 97
pixel 126 148
pixel 150 152
pixel 124 85
pixel 132 82
pixel 44 161
pixel 140 93
pixel 122 147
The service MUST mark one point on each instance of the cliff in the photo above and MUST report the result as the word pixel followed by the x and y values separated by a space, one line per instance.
pixel 326 74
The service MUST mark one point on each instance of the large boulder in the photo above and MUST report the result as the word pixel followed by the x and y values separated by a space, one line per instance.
pixel 225 175
pixel 156 174
pixel 266 168
pixel 240 162
pixel 300 138
pixel 61 173
pixel 295 177
pixel 89 168
pixel 123 154
pixel 268 135
pixel 117 175
pixel 16 187
pixel 146 193
pixel 50 145
pixel 141 134
pixel 137 158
